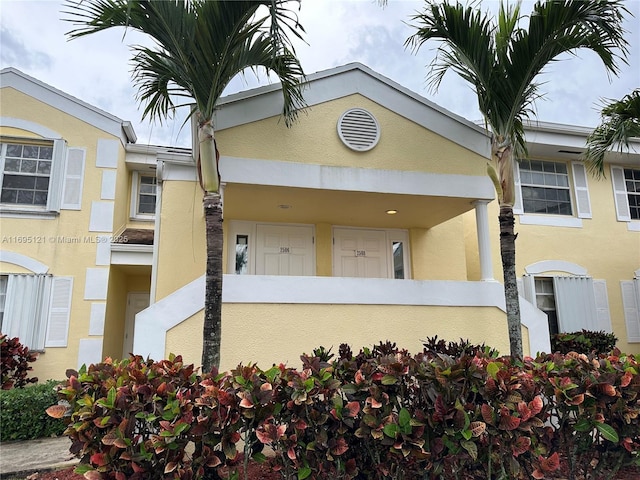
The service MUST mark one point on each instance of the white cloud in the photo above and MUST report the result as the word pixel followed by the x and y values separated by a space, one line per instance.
pixel 96 68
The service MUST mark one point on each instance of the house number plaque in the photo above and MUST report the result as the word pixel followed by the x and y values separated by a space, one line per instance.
pixel 361 253
pixel 285 250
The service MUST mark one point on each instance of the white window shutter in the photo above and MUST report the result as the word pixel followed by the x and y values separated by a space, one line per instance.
pixel 59 312
pixel 73 179
pixel 620 194
pixel 575 303
pixel 518 209
pixel 528 289
pixel 57 175
pixel 581 189
pixel 631 304
pixel 603 317
pixel 25 308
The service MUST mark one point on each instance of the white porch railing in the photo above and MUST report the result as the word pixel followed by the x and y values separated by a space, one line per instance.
pixel 153 323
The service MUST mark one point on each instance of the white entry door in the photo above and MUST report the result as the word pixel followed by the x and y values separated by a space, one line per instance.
pixel 284 250
pixel 136 302
pixel 360 253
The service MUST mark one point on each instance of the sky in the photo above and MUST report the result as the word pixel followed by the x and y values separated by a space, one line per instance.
pixel 97 69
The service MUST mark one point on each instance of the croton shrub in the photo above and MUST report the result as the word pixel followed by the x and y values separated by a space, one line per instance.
pixel 14 363
pixel 380 414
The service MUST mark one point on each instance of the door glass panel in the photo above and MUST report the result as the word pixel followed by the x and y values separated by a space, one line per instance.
pixel 242 254
pixel 398 260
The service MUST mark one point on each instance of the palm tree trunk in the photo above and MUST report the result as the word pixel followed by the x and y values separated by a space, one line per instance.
pixel 512 303
pixel 212 329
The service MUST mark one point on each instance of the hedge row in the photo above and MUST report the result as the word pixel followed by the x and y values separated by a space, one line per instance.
pixel 22 412
pixel 380 414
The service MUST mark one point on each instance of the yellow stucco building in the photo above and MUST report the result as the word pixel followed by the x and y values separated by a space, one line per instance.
pixel 372 218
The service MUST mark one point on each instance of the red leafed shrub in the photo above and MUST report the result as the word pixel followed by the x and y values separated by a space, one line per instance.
pixel 381 414
pixel 14 361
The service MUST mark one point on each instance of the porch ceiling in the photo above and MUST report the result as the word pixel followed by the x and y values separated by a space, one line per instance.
pixel 338 207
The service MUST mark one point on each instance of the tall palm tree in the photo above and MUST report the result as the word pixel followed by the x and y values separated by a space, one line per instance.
pixel 502 61
pixel 199 46
pixel 620 123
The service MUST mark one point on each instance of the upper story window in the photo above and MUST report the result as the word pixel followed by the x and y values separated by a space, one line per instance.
pixel 551 193
pixel 40 176
pixel 626 193
pixel 25 173
pixel 545 187
pixel 143 196
pixel 632 184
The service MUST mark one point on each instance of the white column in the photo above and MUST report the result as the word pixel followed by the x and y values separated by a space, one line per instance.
pixel 484 244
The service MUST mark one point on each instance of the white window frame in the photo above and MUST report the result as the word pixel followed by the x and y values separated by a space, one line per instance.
pixel 621 199
pixel 56 175
pixel 135 197
pixel 580 199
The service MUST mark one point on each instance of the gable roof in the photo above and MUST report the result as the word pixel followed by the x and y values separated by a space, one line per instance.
pixel 354 78
pixel 14 78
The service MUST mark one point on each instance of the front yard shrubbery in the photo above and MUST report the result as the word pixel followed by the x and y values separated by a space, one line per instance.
pixel 22 412
pixel 379 414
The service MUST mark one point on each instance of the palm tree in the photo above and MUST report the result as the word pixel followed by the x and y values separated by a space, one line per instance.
pixel 199 46
pixel 620 122
pixel 502 61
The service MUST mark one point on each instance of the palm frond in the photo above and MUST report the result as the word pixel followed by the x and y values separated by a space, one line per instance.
pixel 620 123
pixel 199 47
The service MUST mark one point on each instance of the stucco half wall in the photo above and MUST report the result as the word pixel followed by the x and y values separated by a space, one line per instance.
pixel 273 319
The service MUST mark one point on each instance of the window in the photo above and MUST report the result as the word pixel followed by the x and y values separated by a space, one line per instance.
pixel 40 175
pixel 26 171
pixel 551 193
pixel 632 185
pixel 571 302
pixel 143 196
pixel 35 308
pixel 546 301
pixel 545 187
pixel 242 254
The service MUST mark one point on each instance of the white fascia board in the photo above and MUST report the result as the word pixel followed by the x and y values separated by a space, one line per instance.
pixel 13 78
pixel 126 254
pixel 323 177
pixel 266 102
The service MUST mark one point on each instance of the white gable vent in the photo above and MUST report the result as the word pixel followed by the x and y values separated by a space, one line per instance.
pixel 358 130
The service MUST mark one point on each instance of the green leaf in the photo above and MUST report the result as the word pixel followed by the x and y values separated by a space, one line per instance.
pixel 467 434
pixel 180 427
pixel 308 384
pixel 471 448
pixel 607 432
pixel 583 425
pixel 404 418
pixel 389 380
pixel 259 457
pixel 390 430
pixel 492 369
pixel 304 472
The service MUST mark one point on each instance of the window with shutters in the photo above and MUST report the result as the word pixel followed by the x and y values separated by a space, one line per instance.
pixel 39 175
pixel 571 302
pixel 631 304
pixel 626 192
pixel 36 308
pixel 551 193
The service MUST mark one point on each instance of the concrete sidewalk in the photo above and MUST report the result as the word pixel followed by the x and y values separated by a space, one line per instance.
pixel 20 459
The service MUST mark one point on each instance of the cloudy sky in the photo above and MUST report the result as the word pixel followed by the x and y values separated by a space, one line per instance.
pixel 96 68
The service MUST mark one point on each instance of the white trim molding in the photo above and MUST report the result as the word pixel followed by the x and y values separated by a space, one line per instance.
pixel 29 127
pixel 23 261
pixel 555 266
